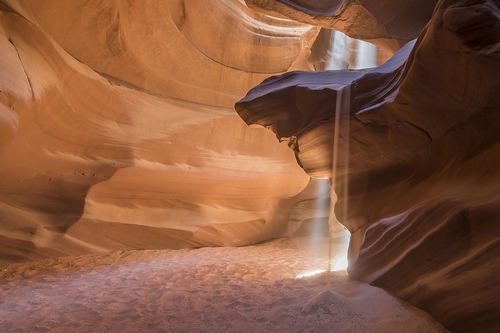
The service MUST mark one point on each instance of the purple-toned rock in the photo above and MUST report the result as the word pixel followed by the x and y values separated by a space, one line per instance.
pixel 421 190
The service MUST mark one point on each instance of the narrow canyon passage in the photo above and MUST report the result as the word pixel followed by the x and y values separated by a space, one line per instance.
pixel 165 164
pixel 243 289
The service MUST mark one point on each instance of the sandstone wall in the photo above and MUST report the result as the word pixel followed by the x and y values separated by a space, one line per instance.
pixel 420 192
pixel 117 127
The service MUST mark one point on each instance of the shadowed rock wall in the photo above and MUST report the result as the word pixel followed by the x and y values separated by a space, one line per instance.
pixel 421 190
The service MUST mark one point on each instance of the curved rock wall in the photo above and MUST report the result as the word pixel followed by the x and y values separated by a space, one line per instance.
pixel 117 127
pixel 420 193
pixel 117 131
pixel 388 24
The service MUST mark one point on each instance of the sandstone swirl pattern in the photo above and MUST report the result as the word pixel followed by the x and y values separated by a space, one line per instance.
pixel 118 129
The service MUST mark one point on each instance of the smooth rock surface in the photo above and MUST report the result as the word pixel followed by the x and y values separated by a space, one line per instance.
pixel 390 23
pixel 420 191
pixel 117 132
pixel 117 127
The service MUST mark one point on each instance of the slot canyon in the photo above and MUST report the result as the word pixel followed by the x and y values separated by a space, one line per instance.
pixel 180 165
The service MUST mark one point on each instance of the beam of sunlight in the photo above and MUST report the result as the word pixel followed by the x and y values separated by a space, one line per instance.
pixel 338 241
pixel 366 55
pixel 338 52
pixel 340 165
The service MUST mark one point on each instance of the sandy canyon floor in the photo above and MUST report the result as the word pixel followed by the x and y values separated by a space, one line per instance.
pixel 245 289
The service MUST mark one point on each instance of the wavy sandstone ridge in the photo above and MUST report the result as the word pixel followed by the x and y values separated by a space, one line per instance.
pixel 422 182
pixel 389 24
pixel 117 131
pixel 117 127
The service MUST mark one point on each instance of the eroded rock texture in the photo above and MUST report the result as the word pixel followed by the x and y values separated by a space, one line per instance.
pixel 117 127
pixel 387 23
pixel 117 131
pixel 421 190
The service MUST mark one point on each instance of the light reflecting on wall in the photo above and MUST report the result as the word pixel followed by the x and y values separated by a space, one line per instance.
pixel 339 261
pixel 348 53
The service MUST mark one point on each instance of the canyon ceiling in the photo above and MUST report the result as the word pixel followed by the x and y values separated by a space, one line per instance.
pixel 124 125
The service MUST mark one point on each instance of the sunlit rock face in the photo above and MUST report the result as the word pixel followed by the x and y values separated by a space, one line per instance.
pixel 388 23
pixel 420 192
pixel 117 131
pixel 117 127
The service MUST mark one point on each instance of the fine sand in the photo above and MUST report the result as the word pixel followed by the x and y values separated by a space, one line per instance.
pixel 245 289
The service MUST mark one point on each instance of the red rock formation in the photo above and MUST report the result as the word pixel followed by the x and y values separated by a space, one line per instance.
pixel 117 127
pixel 117 131
pixel 423 184
pixel 388 23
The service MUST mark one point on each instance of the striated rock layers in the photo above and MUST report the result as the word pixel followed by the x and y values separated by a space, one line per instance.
pixel 388 23
pixel 117 127
pixel 420 192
